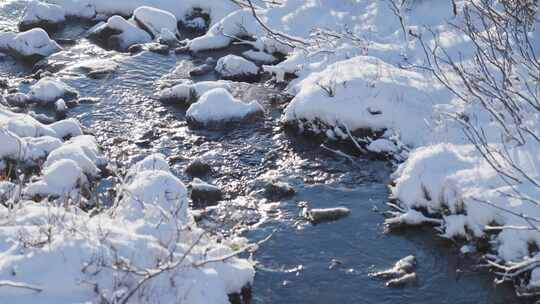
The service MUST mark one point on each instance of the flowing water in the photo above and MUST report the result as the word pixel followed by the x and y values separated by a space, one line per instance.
pixel 295 264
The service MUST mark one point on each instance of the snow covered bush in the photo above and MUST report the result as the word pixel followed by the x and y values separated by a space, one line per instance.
pixel 146 249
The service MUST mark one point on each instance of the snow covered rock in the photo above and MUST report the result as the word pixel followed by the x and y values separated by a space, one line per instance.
pixel 189 92
pixel 237 68
pixel 32 45
pixel 42 15
pixel 83 150
pixel 119 33
pixel 155 21
pixel 259 56
pixel 237 24
pixel 363 94
pixel 48 90
pixel 327 214
pixel 218 107
pixel 59 179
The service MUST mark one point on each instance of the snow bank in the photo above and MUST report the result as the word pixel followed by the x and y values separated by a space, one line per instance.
pixel 31 45
pixel 68 256
pixel 218 106
pixel 43 15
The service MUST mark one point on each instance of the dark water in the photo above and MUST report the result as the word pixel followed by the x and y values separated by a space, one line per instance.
pixel 294 263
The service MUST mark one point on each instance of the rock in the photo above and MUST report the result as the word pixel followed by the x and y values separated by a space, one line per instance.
pixel 158 48
pixel 17 99
pixel 217 108
pixel 400 268
pixel 89 100
pixel 42 118
pixel 4 83
pixel 198 167
pixel 326 215
pixel 277 190
pixel 403 280
pixel 42 15
pixel 60 108
pixel 204 194
pixel 136 48
pixel 118 33
pixel 234 67
pixel 154 20
pixel 182 50
pixel 201 70
pixel 48 90
pixel 31 46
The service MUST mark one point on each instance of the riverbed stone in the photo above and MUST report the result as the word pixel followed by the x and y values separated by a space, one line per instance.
pixel 316 216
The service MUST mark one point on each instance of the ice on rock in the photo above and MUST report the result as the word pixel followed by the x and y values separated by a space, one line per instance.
pixel 42 15
pixel 236 67
pixel 31 45
pixel 58 179
pixel 155 21
pixel 48 90
pixel 259 56
pixel 217 107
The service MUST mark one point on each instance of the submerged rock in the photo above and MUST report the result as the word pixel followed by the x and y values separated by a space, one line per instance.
pixel 326 215
pixel 276 190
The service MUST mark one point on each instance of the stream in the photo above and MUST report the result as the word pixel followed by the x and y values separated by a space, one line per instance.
pixel 300 262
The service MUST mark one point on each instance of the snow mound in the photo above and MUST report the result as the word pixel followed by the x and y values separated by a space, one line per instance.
pixel 362 93
pixel 42 15
pixel 217 107
pixel 26 126
pixel 48 90
pixel 236 67
pixel 155 21
pixel 31 45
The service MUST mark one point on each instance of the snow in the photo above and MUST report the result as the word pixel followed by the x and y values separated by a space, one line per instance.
pixel 218 106
pixel 155 20
pixel 32 44
pixel 41 14
pixel 232 66
pixel 49 90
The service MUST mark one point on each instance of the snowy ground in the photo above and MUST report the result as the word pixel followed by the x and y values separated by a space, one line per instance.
pixel 345 87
